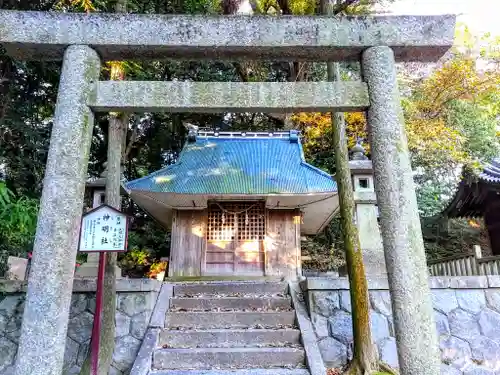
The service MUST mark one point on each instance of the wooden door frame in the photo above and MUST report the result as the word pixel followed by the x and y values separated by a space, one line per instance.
pixel 235 241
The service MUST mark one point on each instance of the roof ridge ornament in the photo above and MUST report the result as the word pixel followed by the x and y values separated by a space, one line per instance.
pixel 289 134
pixel 192 131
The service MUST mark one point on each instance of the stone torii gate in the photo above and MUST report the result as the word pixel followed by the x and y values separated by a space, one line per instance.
pixel 82 41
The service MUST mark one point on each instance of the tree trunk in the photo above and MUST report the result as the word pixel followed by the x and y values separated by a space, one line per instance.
pixel 364 358
pixel 117 132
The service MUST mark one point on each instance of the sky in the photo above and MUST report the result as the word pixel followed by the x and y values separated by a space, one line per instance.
pixel 480 15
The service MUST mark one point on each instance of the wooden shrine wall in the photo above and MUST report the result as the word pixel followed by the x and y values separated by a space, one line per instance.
pixel 187 243
pixel 283 243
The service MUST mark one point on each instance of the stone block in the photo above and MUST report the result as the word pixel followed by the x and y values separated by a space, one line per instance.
pixel 489 322
pixel 471 300
pixel 454 351
pixel 91 304
pixel 114 371
pixel 193 289
pixel 16 268
pixel 228 338
pixel 313 355
pixel 234 303
pixel 340 326
pixel 450 370
pixel 78 304
pixel 70 353
pixel 379 326
pixel 325 302
pixel 142 363
pixel 11 304
pixel 444 300
pixel 463 325
pixel 9 370
pixel 45 35
pixel 162 305
pixel 231 358
pixel 80 327
pixel 327 283
pixel 134 303
pixel 478 370
pixel 320 325
pixel 345 300
pixel 140 324
pixel 3 323
pixel 469 282
pixel 126 349
pixel 493 299
pixel 388 352
pixel 381 302
pixel 260 371
pixel 229 319
pixel 73 370
pixel 122 324
pixel 83 352
pixel 493 281
pixel 13 328
pixel 8 351
pixel 334 353
pixel 439 282
pixel 486 352
pixel 216 97
pixel 442 326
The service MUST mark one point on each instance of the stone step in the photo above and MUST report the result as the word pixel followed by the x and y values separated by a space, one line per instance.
pixel 234 303
pixel 220 338
pixel 230 288
pixel 259 371
pixel 232 358
pixel 210 320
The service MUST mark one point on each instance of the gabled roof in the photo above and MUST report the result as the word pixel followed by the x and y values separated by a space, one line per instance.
pixel 475 192
pixel 239 166
pixel 230 163
pixel 491 172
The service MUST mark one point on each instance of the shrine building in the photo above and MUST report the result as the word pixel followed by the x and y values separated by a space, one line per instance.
pixel 479 196
pixel 237 203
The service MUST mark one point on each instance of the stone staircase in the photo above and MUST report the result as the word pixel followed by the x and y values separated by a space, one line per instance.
pixel 239 328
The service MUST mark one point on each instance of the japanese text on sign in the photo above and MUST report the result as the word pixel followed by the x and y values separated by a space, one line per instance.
pixel 103 229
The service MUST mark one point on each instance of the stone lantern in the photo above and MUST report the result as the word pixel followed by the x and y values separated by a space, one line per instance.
pixel 366 213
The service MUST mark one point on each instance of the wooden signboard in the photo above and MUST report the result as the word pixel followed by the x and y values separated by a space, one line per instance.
pixel 103 229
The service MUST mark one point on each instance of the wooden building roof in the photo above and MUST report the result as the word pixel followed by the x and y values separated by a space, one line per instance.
pixel 243 166
pixel 476 192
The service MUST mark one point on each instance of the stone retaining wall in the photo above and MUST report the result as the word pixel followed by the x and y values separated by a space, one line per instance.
pixel 136 299
pixel 466 310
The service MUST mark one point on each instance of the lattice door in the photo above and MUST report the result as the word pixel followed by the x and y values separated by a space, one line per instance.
pixel 235 238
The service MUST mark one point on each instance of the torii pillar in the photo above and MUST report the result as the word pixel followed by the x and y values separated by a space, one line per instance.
pixel 51 277
pixel 399 219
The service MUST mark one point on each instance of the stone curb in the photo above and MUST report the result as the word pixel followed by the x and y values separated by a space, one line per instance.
pixel 162 306
pixel 143 361
pixel 435 282
pixel 314 358
pixel 89 285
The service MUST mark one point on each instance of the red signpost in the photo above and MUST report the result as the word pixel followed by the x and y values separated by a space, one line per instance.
pixel 103 229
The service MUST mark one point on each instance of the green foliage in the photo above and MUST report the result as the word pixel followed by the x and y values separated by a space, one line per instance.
pixel 325 249
pixel 446 238
pixel 17 224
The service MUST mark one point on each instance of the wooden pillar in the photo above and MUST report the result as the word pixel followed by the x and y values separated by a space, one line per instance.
pixel 492 221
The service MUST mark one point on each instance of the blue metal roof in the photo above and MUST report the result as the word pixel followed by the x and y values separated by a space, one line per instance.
pixel 491 172
pixel 243 164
